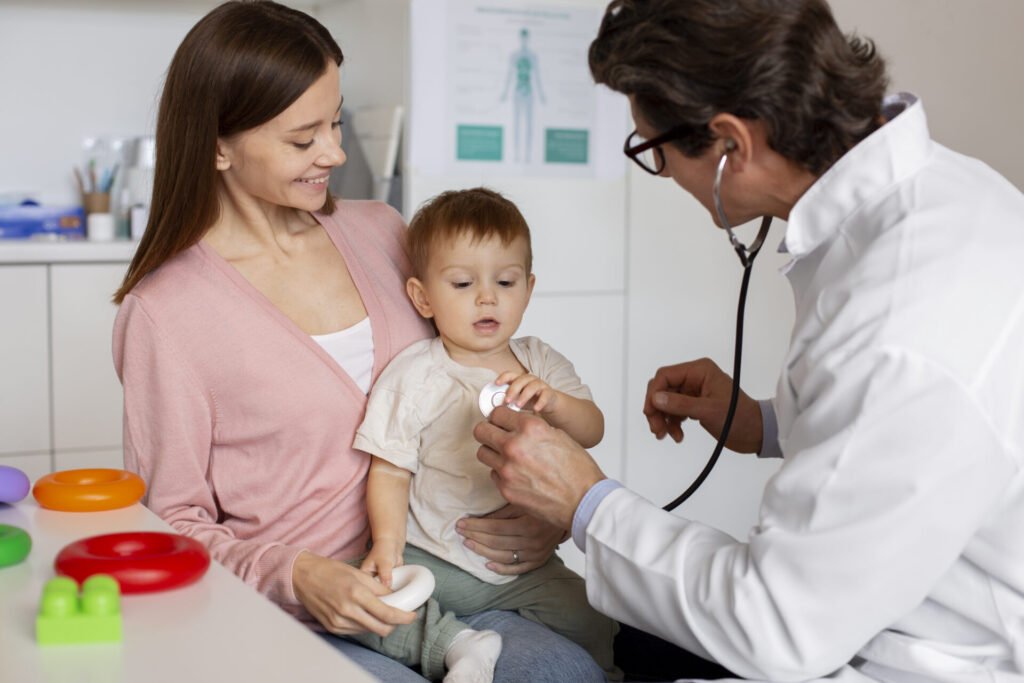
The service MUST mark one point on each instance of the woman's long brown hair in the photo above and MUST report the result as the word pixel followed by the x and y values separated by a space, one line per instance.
pixel 243 64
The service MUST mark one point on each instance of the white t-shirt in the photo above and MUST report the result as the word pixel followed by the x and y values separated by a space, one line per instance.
pixel 420 417
pixel 352 349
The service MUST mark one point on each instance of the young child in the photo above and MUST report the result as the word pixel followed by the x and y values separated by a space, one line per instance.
pixel 471 255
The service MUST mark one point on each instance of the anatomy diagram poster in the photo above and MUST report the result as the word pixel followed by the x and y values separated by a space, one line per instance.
pixel 504 87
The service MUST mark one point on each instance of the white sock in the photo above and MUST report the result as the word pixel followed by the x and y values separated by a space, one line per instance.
pixel 471 657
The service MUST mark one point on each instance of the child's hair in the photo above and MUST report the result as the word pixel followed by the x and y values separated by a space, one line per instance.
pixel 479 212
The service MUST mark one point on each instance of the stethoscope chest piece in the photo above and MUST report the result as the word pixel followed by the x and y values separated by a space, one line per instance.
pixel 492 396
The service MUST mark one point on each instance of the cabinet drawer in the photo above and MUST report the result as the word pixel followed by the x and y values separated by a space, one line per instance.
pixel 87 398
pixel 24 369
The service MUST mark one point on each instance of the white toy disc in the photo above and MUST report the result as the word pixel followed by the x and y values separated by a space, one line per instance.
pixel 412 585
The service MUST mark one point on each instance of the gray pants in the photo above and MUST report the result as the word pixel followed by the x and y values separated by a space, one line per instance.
pixel 552 595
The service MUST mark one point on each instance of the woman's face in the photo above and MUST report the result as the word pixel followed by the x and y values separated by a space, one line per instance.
pixel 287 161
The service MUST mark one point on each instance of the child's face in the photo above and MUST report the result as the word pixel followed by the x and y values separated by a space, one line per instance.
pixel 476 292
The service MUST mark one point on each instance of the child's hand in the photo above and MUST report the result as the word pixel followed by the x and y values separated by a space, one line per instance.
pixel 522 389
pixel 385 555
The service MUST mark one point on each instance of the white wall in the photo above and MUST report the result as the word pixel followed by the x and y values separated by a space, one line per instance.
pixel 71 70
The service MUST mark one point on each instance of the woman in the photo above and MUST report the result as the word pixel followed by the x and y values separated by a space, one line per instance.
pixel 254 317
pixel 888 545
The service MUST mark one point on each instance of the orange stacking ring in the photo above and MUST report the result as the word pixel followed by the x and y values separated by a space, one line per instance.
pixel 88 490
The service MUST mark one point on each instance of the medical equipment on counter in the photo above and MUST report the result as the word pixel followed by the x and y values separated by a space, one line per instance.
pixel 31 221
pixel 747 255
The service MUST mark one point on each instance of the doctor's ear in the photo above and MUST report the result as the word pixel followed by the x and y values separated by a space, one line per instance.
pixel 734 137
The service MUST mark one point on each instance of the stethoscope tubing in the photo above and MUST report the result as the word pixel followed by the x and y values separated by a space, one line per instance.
pixel 746 256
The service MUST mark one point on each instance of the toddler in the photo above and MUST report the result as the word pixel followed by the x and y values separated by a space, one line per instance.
pixel 471 257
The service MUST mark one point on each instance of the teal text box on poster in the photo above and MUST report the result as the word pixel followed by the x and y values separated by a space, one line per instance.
pixel 566 146
pixel 478 143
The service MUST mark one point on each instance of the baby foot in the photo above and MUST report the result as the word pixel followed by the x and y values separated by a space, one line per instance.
pixel 471 657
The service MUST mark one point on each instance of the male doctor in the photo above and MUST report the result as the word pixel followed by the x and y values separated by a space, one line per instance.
pixel 890 544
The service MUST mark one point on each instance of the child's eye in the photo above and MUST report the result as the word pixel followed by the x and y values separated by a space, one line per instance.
pixel 507 283
pixel 461 285
pixel 337 124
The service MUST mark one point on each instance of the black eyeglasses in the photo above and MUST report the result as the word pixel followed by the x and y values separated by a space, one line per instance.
pixel 647 153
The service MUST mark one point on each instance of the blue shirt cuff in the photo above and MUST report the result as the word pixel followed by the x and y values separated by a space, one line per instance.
pixel 587 508
pixel 769 432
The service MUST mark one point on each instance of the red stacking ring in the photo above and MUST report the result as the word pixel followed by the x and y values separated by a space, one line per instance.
pixel 141 561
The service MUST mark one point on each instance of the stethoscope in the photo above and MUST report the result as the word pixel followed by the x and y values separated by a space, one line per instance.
pixel 747 255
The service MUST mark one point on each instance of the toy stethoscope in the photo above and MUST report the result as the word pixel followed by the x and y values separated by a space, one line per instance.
pixel 747 255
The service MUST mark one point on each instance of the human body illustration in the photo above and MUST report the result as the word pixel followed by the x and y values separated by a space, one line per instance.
pixel 524 70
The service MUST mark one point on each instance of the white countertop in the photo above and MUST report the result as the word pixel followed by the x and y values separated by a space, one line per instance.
pixel 218 629
pixel 20 252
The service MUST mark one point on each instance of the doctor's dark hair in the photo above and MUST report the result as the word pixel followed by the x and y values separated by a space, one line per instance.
pixel 478 212
pixel 243 64
pixel 782 62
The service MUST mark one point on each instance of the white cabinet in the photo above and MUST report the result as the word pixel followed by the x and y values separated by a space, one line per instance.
pixel 60 401
pixel 87 400
pixel 24 358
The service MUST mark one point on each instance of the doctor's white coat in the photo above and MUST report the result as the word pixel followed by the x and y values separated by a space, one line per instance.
pixel 890 545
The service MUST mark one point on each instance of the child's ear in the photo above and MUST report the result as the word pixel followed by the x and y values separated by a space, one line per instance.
pixel 530 282
pixel 418 295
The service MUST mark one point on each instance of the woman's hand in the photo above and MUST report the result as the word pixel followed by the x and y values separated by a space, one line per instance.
pixel 343 598
pixel 700 390
pixel 536 466
pixel 385 555
pixel 509 534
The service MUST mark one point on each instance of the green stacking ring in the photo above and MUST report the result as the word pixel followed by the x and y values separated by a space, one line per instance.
pixel 14 545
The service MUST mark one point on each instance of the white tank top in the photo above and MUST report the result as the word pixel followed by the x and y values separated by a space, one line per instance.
pixel 352 349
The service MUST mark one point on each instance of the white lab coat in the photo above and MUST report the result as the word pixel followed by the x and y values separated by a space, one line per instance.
pixel 890 544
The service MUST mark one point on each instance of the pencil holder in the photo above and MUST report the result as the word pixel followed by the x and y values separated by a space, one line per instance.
pixel 96 202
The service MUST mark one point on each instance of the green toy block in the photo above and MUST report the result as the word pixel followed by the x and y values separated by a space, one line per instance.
pixel 65 618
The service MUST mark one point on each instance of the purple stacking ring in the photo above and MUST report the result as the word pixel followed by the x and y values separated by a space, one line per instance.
pixel 14 484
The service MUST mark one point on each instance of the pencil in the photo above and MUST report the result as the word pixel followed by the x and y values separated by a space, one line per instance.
pixel 78 181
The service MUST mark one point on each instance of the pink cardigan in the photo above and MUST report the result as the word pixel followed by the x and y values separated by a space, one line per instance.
pixel 240 424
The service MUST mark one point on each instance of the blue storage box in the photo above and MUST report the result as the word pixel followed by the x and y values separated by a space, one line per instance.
pixel 30 220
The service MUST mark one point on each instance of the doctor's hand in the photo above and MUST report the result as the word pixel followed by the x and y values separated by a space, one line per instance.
pixel 536 466
pixel 700 390
pixel 515 542
pixel 342 598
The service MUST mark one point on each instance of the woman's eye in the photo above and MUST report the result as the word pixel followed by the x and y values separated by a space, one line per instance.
pixel 337 124
pixel 303 145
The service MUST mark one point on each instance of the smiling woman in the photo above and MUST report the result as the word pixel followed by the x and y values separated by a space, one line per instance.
pixel 229 76
pixel 254 316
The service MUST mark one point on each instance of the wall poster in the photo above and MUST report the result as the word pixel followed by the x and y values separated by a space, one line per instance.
pixel 503 87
